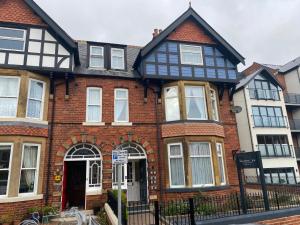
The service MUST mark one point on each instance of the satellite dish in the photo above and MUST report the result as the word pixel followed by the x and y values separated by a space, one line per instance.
pixel 236 109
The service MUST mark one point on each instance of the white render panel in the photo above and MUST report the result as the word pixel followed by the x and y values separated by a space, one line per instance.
pixel 34 47
pixel 49 37
pixel 292 81
pixel 62 50
pixel 33 60
pixel 35 34
pixel 65 64
pixel 2 57
pixel 49 48
pixel 48 61
pixel 15 59
pixel 279 162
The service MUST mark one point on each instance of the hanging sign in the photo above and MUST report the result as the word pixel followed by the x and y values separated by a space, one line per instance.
pixel 119 157
pixel 248 159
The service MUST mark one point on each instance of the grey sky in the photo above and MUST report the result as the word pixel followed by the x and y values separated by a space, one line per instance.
pixel 261 30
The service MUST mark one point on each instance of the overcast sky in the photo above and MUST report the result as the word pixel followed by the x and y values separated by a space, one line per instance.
pixel 265 31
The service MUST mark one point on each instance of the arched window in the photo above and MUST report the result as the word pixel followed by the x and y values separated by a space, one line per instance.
pixel 83 151
pixel 134 150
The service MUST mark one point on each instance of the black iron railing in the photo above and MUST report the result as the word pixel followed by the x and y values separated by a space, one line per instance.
pixel 297 152
pixel 292 98
pixel 270 121
pixel 260 94
pixel 294 124
pixel 275 150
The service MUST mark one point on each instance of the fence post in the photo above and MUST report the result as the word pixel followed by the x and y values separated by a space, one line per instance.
pixel 192 211
pixel 156 212
pixel 238 203
pixel 277 201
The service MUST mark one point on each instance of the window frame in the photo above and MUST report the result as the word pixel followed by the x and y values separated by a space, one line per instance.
pixel 115 101
pixel 42 100
pixel 275 116
pixel 9 168
pixel 36 180
pixel 18 95
pixel 87 104
pixel 99 55
pixel 278 170
pixel 214 94
pixel 165 103
pixel 88 173
pixel 280 138
pixel 115 182
pixel 111 59
pixel 204 100
pixel 14 39
pixel 183 51
pixel 203 156
pixel 223 162
pixel 169 164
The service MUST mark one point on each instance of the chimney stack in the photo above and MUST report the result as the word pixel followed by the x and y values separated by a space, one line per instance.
pixel 156 32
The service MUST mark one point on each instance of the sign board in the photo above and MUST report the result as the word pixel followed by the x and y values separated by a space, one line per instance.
pixel 119 157
pixel 247 160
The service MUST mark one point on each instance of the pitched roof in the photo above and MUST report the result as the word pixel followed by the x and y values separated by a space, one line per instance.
pixel 191 13
pixel 246 79
pixel 83 68
pixel 290 65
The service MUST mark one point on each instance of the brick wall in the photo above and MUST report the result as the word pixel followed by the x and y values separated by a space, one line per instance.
pixel 24 131
pixel 17 11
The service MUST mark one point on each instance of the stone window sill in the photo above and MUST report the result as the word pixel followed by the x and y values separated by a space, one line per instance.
pixel 196 189
pixel 93 124
pixel 24 120
pixel 121 124
pixel 20 198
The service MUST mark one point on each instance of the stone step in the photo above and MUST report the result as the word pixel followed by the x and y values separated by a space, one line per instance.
pixel 64 218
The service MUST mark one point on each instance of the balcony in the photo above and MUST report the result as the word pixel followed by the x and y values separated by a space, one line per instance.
pixel 295 125
pixel 292 99
pixel 270 121
pixel 260 94
pixel 297 152
pixel 275 150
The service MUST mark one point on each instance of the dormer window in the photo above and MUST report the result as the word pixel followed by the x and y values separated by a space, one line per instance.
pixel 191 54
pixel 97 57
pixel 12 39
pixel 117 59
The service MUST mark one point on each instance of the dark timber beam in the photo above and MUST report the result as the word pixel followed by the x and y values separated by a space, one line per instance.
pixel 231 92
pixel 221 92
pixel 67 81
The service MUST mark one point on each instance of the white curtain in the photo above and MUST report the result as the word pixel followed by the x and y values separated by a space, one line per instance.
pixel 121 106
pixel 8 96
pixel 94 105
pixel 176 165
pixel 201 164
pixel 35 99
pixel 195 103
pixel 172 104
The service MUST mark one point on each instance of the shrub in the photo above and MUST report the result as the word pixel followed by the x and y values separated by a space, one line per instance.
pixel 176 208
pixel 102 217
pixel 49 210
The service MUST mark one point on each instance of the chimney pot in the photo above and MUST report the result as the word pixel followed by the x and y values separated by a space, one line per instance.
pixel 156 32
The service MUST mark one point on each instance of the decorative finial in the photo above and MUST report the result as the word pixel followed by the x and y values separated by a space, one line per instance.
pixel 190 3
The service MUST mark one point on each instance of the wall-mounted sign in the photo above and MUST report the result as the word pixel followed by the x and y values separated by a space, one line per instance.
pixel 119 157
pixel 57 178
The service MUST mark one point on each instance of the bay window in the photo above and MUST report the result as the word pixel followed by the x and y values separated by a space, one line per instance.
pixel 191 54
pixel 221 163
pixel 117 59
pixel 201 164
pixel 94 105
pixel 121 105
pixel 12 39
pixel 195 103
pixel 36 92
pixel 171 103
pixel 9 93
pixel 214 105
pixel 29 169
pixel 97 57
pixel 176 165
pixel 5 165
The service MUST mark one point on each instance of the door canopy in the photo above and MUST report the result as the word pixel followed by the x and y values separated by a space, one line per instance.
pixel 83 151
pixel 134 150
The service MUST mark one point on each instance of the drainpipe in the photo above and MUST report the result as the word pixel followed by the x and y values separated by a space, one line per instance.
pixel 50 132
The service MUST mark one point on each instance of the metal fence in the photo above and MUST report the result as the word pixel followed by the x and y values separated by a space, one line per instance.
pixel 208 207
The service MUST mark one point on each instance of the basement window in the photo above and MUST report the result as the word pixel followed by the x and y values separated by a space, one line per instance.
pixel 12 39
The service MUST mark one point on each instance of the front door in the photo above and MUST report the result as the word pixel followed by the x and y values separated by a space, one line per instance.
pixel 133 181
pixel 75 184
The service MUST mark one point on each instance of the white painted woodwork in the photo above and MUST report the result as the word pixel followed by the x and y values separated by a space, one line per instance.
pixel 33 60
pixel 2 57
pixel 15 59
pixel 49 37
pixel 48 61
pixel 34 47
pixel 35 34
pixel 49 48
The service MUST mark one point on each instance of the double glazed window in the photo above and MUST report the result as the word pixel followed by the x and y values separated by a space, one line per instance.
pixel 94 104
pixel 273 145
pixel 195 103
pixel 97 57
pixel 9 93
pixel 5 161
pixel 95 173
pixel 221 163
pixel 121 105
pixel 115 176
pixel 263 89
pixel 214 105
pixel 117 59
pixel 191 54
pixel 35 99
pixel 29 168
pixel 280 176
pixel 176 165
pixel 268 116
pixel 12 39
pixel 172 103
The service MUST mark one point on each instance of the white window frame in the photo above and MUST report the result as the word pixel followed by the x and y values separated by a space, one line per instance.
pixel 204 99
pixel 101 55
pixel 14 39
pixel 43 99
pixel 181 156
pixel 123 57
pixel 211 161
pixel 9 168
pixel 223 161
pixel 115 184
pixel 87 184
pixel 198 52
pixel 213 96
pixel 165 103
pixel 18 93
pixel 36 181
pixel 88 104
pixel 115 100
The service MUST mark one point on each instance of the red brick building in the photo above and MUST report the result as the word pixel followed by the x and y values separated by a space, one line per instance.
pixel 66 105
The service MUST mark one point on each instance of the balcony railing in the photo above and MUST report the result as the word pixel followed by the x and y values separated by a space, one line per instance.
pixel 297 152
pixel 260 94
pixel 270 121
pixel 295 124
pixel 292 98
pixel 275 150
